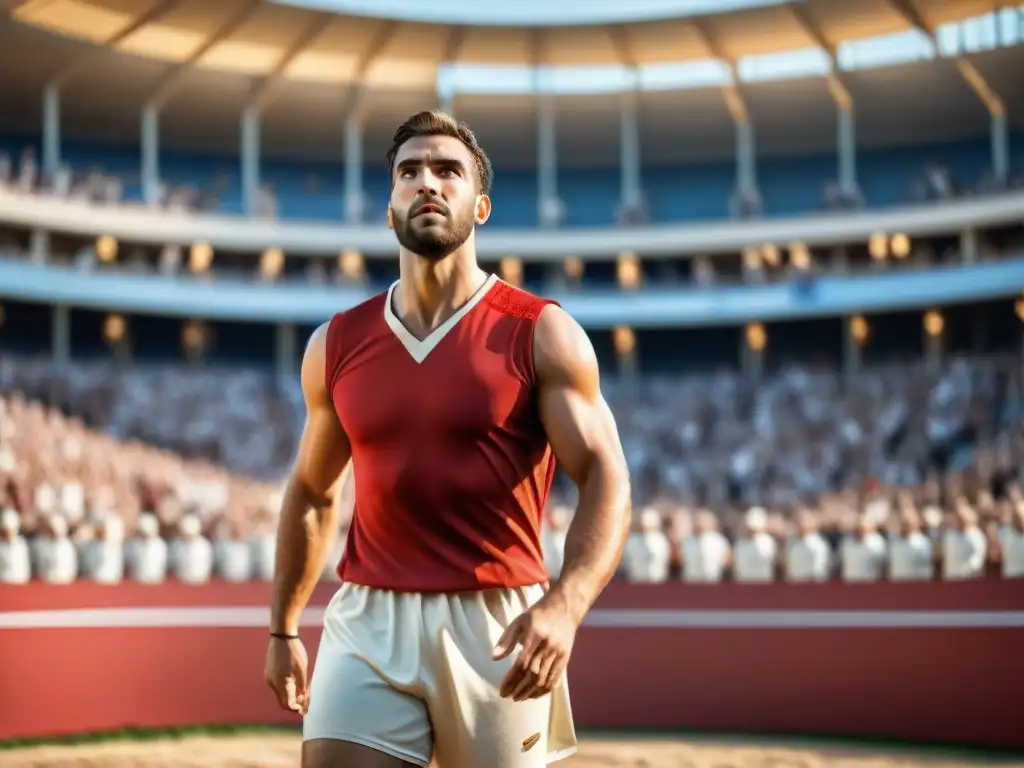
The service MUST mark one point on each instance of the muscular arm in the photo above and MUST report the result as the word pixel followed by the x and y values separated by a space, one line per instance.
pixel 585 440
pixel 308 515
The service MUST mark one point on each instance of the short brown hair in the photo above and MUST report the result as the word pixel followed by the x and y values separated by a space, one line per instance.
pixel 436 123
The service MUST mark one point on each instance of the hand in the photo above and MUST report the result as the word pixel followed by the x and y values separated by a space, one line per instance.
pixel 546 633
pixel 285 673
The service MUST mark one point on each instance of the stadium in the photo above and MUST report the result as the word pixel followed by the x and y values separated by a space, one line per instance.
pixel 792 230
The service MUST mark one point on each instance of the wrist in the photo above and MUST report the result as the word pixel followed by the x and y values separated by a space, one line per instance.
pixel 285 636
pixel 569 599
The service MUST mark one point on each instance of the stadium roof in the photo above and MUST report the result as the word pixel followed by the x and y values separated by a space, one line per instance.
pixel 252 36
pixel 111 56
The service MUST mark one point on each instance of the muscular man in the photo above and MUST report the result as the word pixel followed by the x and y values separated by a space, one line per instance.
pixel 452 393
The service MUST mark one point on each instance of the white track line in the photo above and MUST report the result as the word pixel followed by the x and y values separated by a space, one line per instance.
pixel 242 617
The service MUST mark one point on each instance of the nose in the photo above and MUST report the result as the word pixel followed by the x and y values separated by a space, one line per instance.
pixel 429 184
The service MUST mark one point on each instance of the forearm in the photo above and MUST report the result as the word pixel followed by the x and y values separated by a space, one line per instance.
pixel 304 534
pixel 596 537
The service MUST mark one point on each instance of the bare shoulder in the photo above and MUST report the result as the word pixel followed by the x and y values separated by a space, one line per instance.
pixel 314 364
pixel 562 351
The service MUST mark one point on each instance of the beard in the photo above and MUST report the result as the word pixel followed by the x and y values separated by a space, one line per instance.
pixel 436 241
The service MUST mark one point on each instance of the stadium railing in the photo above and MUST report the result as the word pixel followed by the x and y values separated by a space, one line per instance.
pixel 227 299
pixel 139 224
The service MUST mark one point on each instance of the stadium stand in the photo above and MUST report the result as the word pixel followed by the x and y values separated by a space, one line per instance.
pixel 804 418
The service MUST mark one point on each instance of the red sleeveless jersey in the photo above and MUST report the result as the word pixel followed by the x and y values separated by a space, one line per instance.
pixel 452 466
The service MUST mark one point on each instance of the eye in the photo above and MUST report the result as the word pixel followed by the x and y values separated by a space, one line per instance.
pixel 408 173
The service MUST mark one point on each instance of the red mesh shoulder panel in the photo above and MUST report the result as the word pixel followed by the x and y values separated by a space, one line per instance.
pixel 516 302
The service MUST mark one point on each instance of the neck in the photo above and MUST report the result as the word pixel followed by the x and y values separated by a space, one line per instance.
pixel 428 292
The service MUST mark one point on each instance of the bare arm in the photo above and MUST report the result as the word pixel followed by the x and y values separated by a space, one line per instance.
pixel 308 515
pixel 582 432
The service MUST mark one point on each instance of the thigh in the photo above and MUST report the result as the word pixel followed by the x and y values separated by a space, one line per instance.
pixel 474 730
pixel 349 701
pixel 330 753
pixel 473 725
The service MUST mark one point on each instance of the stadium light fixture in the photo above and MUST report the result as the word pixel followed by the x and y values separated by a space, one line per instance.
pixel 900 246
pixel 271 263
pixel 573 267
pixel 624 339
pixel 512 270
pixel 859 329
pixel 200 257
pixel 114 328
pixel 106 248
pixel 628 270
pixel 757 337
pixel 878 246
pixel 351 265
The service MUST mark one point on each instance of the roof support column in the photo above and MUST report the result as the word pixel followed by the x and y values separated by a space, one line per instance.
pixel 746 195
pixel 250 155
pixel 847 143
pixel 547 161
pixel 355 205
pixel 51 94
pixel 150 141
pixel 51 129
pixel 263 94
pixel 629 153
pixel 998 127
pixel 746 154
pixel 846 140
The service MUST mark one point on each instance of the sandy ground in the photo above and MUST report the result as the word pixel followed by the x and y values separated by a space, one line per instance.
pixel 282 751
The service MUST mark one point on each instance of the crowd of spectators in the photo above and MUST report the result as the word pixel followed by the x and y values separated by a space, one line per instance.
pixel 94 184
pixel 901 471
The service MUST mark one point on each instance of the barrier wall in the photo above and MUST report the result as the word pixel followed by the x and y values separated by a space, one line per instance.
pixel 926 662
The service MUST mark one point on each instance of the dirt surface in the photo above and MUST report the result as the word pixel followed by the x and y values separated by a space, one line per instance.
pixel 282 751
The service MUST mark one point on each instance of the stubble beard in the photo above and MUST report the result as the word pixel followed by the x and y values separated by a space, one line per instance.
pixel 434 243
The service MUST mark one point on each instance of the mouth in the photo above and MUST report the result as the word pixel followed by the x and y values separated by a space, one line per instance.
pixel 428 208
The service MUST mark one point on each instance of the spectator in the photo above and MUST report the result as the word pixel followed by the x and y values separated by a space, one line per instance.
pixel 191 555
pixel 911 554
pixel 808 556
pixel 103 557
pixel 232 553
pixel 56 556
pixel 263 546
pixel 15 566
pixel 863 555
pixel 648 552
pixel 964 546
pixel 1011 542
pixel 146 553
pixel 756 553
pixel 705 555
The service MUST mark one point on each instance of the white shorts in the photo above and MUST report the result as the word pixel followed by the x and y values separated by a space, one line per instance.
pixel 412 675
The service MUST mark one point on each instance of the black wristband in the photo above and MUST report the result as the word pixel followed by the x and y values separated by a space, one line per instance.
pixel 283 636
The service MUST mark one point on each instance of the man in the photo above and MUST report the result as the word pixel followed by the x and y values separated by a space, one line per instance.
pixel 648 551
pixel 452 394
pixel 808 555
pixel 15 563
pixel 864 554
pixel 964 545
pixel 911 553
pixel 706 554
pixel 756 554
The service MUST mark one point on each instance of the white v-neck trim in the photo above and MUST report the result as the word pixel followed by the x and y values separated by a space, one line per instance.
pixel 418 349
